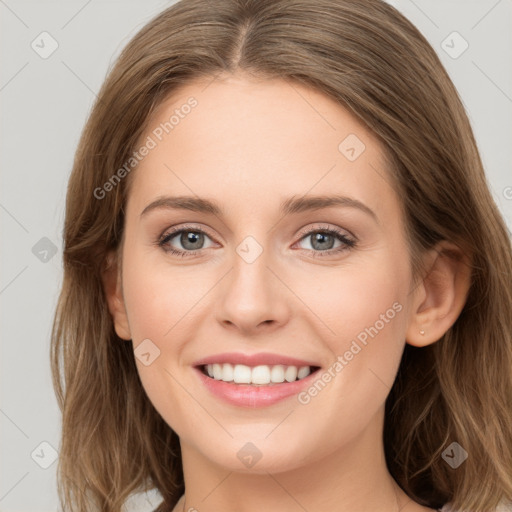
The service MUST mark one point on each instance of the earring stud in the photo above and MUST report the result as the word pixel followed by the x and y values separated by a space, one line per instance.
pixel 422 332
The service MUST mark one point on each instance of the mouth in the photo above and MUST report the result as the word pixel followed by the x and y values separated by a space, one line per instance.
pixel 257 376
pixel 254 380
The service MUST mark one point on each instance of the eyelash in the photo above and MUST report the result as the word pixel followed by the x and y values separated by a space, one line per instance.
pixel 348 242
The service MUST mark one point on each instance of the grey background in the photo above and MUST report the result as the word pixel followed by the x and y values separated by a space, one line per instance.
pixel 44 106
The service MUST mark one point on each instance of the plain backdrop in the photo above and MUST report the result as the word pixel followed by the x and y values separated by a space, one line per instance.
pixel 45 100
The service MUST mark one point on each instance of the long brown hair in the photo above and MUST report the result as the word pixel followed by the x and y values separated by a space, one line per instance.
pixel 368 57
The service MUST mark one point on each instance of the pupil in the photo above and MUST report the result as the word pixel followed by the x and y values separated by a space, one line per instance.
pixel 320 238
pixel 190 240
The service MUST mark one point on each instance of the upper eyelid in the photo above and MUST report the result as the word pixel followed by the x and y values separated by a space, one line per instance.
pixel 307 230
pixel 174 231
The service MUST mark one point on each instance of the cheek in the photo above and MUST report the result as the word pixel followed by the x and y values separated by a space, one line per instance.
pixel 159 297
pixel 354 298
pixel 161 306
pixel 365 310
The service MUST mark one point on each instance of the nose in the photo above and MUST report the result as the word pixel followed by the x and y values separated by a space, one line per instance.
pixel 252 299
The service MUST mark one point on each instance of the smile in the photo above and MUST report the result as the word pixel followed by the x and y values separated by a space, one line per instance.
pixel 254 380
pixel 261 375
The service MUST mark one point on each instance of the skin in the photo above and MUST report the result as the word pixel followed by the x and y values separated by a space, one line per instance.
pixel 248 145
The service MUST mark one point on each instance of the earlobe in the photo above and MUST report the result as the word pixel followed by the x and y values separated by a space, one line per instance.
pixel 444 291
pixel 111 277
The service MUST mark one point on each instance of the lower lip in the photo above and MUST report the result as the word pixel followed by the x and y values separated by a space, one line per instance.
pixel 245 395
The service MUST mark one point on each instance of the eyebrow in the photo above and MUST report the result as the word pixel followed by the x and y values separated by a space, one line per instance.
pixel 293 205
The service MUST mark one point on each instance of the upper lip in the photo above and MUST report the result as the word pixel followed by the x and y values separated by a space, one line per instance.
pixel 262 358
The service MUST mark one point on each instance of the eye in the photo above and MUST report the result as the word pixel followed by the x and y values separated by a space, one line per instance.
pixel 191 240
pixel 323 241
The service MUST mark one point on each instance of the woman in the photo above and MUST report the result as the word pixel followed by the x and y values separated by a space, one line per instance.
pixel 286 284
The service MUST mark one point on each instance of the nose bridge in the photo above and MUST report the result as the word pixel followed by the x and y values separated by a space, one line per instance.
pixel 251 294
pixel 250 279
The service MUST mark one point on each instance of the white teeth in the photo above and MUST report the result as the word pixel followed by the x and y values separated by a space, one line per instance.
pixel 227 372
pixel 260 375
pixel 242 374
pixel 257 375
pixel 217 371
pixel 277 373
pixel 304 371
pixel 291 373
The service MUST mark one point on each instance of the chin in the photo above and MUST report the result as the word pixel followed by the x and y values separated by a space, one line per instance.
pixel 256 455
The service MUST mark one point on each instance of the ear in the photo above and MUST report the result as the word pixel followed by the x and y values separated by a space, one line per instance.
pixel 441 295
pixel 111 277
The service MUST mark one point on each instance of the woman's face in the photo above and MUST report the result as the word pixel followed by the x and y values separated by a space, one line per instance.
pixel 257 285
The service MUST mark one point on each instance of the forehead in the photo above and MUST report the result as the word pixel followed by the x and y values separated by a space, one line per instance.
pixel 241 138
